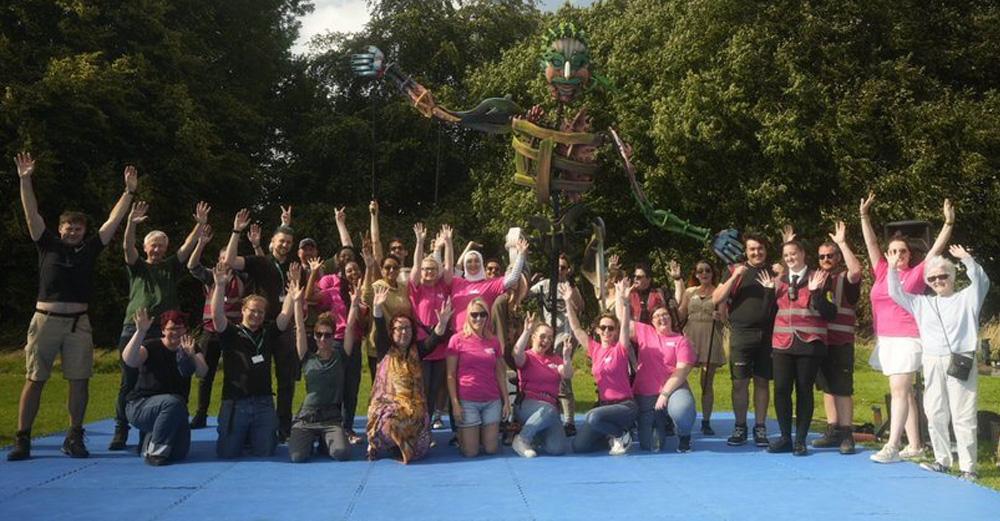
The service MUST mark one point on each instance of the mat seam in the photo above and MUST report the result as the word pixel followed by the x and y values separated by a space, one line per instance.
pixel 185 497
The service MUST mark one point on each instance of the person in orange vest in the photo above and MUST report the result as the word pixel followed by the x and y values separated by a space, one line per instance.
pixel 799 342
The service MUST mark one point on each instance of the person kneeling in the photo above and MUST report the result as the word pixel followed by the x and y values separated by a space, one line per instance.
pixel 157 405
pixel 540 371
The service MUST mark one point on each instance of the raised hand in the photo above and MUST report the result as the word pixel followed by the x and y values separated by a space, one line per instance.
pixel 142 320
pixel 567 350
pixel 444 314
pixel 675 270
pixel 839 235
pixel 340 215
pixel 381 294
pixel 293 289
pixel 529 321
pixel 420 232
pixel 316 265
pixel 206 234
pixel 787 233
pixel 866 203
pixel 254 235
pixel 188 345
pixel 447 233
pixel 201 212
pixel 222 274
pixel 614 262
pixel 892 257
pixel 242 220
pixel 764 279
pixel 295 271
pixel 138 213
pixel 131 178
pixel 373 207
pixel 818 280
pixel 958 251
pixel 25 164
pixel 565 292
pixel 522 246
pixel 949 212
pixel 622 288
pixel 286 215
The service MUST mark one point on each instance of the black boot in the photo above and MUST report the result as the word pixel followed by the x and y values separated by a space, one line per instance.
pixel 22 446
pixel 847 440
pixel 199 421
pixel 120 438
pixel 830 438
pixel 73 444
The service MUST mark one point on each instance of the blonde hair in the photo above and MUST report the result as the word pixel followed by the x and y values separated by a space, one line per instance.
pixel 153 235
pixel 467 329
pixel 253 297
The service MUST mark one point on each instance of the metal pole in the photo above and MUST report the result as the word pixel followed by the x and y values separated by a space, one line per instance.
pixel 554 260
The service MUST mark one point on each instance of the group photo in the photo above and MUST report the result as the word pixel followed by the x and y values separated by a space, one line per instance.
pixel 500 259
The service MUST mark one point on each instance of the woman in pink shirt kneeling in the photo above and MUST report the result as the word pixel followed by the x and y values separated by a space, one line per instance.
pixel 539 372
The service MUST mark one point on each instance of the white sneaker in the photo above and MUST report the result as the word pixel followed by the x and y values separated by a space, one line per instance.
pixel 910 453
pixel 620 444
pixel 523 448
pixel 888 454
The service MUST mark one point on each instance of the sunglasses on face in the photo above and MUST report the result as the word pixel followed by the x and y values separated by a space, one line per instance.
pixel 935 278
pixel 321 336
pixel 605 327
pixel 824 256
pixel 478 314
pixel 900 252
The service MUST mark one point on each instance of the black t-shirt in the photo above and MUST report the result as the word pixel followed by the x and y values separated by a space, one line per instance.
pixel 66 273
pixel 160 374
pixel 244 376
pixel 269 278
pixel 751 306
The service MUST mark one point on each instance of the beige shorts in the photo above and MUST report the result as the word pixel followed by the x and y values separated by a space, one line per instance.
pixel 69 337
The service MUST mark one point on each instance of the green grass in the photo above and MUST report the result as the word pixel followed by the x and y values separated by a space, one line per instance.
pixel 870 388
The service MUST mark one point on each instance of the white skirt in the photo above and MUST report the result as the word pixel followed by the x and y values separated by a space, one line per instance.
pixel 896 355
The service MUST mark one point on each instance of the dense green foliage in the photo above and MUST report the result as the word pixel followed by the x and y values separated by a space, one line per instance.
pixel 746 114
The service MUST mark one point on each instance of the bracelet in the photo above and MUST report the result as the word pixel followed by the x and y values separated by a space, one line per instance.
pixel 237 232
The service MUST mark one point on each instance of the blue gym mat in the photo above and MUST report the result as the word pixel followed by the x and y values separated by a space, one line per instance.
pixel 713 482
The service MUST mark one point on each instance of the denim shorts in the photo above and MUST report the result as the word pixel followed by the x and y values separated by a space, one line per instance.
pixel 475 414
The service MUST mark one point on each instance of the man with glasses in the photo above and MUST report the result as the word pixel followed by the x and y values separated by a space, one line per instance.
pixel 836 375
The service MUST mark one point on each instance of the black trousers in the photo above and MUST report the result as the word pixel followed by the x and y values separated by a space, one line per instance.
pixel 211 349
pixel 796 371
pixel 286 371
pixel 352 384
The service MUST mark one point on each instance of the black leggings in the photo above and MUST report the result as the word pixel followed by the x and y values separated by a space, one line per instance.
pixel 800 371
pixel 211 348
pixel 352 384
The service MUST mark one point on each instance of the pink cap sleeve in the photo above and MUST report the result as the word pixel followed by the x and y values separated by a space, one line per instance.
pixel 685 354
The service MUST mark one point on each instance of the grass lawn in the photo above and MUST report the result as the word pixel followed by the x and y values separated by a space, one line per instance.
pixel 870 388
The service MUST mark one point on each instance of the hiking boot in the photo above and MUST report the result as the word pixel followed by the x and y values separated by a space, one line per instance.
pixel 799 449
pixel 119 440
pixel 739 436
pixel 570 429
pixel 199 421
pixel 780 445
pixel 760 436
pixel 830 438
pixel 22 446
pixel 684 444
pixel 73 444
pixel 847 440
pixel 706 428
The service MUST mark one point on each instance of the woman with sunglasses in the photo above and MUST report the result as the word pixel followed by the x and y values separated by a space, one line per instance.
pixel 540 371
pixel 897 349
pixel 476 382
pixel 320 416
pixel 607 424
pixel 703 322
pixel 665 359
pixel 949 323
pixel 398 418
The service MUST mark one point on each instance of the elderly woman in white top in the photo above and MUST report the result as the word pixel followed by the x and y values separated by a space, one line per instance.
pixel 948 322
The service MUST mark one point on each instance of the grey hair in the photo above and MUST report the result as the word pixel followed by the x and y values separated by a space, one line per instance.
pixel 153 235
pixel 938 262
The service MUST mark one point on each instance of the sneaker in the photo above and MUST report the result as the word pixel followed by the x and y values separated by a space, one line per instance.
pixel 620 444
pixel 120 439
pixel 354 438
pixel 911 453
pixel 22 446
pixel 799 449
pixel 760 436
pixel 157 461
pixel 971 477
pixel 438 423
pixel 780 445
pixel 706 428
pixel 888 454
pixel 199 421
pixel 669 427
pixel 934 467
pixel 739 436
pixel 73 444
pixel 830 438
pixel 847 441
pixel 684 444
pixel 523 448
pixel 570 429
pixel 453 442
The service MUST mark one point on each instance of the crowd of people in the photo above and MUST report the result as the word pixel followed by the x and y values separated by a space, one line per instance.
pixel 456 337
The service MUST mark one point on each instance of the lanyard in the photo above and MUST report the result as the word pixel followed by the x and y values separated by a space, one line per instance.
pixel 281 273
pixel 257 342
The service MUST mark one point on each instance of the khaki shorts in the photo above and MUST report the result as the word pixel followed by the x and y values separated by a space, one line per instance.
pixel 49 336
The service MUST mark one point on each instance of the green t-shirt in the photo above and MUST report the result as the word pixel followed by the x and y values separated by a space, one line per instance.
pixel 153 286
pixel 324 381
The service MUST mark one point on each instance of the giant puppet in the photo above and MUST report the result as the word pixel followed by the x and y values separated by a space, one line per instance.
pixel 557 160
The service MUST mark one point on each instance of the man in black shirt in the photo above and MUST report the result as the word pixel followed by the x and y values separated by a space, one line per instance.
pixel 157 404
pixel 60 325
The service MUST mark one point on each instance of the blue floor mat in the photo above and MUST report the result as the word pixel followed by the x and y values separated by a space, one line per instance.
pixel 713 482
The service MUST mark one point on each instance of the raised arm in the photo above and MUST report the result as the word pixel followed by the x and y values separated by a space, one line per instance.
pixel 566 368
pixel 191 353
pixel 204 238
pixel 222 274
pixel 721 293
pixel 513 275
pixel 818 300
pixel 107 230
pixel 447 235
pixel 200 222
pixel 896 291
pixel 340 215
pixel 579 333
pixel 420 233
pixel 286 215
pixel 383 341
pixel 375 232
pixel 871 238
pixel 431 341
pixel 301 339
pixel 293 291
pixel 839 237
pixel 136 216
pixel 945 234
pixel 253 237
pixel 134 354
pixel 624 312
pixel 678 280
pixel 315 272
pixel 979 281
pixel 240 223
pixel 25 167
pixel 521 345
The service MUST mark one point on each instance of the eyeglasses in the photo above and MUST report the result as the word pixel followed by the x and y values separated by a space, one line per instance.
pixel 390 267
pixel 935 278
pixel 321 336
pixel 900 251
pixel 824 256
pixel 605 327
pixel 478 314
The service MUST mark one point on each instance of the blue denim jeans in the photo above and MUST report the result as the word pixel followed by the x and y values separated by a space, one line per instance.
pixel 541 420
pixel 604 421
pixel 245 419
pixel 164 419
pixel 680 408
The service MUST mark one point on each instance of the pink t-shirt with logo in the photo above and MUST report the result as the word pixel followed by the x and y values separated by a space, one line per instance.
pixel 426 301
pixel 658 358
pixel 330 300
pixel 609 365
pixel 539 377
pixel 890 319
pixel 477 365
pixel 463 292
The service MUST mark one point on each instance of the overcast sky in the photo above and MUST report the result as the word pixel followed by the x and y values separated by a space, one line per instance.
pixel 351 15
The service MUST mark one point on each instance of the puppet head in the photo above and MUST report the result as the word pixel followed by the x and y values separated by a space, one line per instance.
pixel 566 61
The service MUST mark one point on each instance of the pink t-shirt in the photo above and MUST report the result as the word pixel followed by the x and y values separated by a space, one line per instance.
pixel 463 292
pixel 539 377
pixel 330 300
pixel 426 301
pixel 610 369
pixel 477 365
pixel 889 318
pixel 658 358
